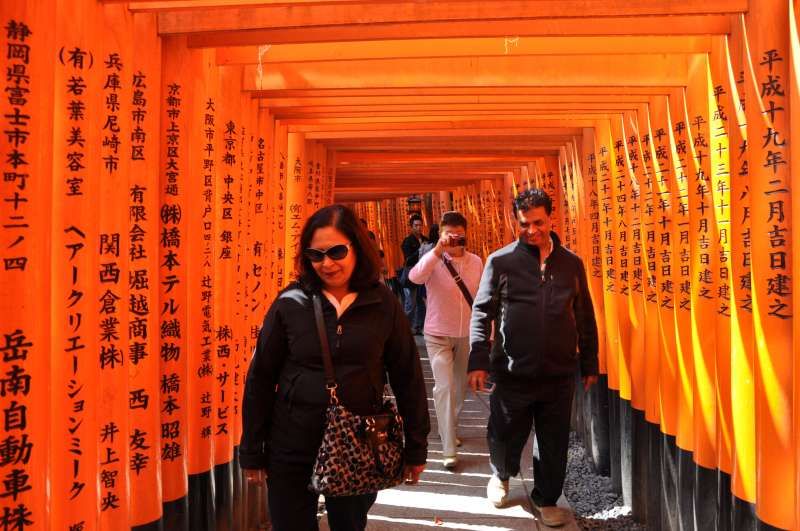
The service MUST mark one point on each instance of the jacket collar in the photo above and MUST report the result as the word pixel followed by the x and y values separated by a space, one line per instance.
pixel 368 296
pixel 365 297
pixel 535 250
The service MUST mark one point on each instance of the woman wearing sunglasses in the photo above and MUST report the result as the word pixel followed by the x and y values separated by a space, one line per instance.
pixel 285 397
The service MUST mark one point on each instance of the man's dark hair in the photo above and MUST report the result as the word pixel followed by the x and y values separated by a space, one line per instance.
pixel 367 270
pixel 413 218
pixel 453 219
pixel 533 198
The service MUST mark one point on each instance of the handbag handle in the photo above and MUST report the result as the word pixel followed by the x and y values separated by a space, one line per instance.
pixel 330 375
pixel 458 279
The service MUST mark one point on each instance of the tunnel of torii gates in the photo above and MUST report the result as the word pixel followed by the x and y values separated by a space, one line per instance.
pixel 159 159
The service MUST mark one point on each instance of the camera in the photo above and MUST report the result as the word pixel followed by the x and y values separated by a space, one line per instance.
pixel 455 241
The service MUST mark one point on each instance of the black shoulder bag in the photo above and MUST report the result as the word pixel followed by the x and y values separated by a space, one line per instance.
pixel 458 279
pixel 358 454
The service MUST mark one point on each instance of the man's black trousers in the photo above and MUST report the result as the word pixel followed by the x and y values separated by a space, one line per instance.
pixel 293 507
pixel 515 408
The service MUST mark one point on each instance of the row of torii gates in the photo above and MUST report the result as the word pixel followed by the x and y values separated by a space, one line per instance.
pixel 159 157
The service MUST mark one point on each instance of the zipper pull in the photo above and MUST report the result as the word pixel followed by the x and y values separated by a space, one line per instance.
pixel 338 336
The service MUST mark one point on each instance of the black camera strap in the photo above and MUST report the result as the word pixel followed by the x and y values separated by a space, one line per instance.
pixel 459 281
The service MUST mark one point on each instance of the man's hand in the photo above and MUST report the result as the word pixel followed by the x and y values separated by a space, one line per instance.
pixel 477 380
pixel 411 473
pixel 446 240
pixel 255 475
pixel 438 250
pixel 588 381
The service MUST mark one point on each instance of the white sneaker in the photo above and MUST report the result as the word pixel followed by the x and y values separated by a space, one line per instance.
pixel 497 491
pixel 450 461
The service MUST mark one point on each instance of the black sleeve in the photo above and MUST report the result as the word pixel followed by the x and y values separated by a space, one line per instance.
pixel 259 390
pixel 405 376
pixel 484 310
pixel 587 326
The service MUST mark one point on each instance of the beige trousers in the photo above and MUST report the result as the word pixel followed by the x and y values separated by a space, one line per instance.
pixel 448 357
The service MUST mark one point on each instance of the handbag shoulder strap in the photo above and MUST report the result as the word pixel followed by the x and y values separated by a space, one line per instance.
pixel 330 375
pixel 458 279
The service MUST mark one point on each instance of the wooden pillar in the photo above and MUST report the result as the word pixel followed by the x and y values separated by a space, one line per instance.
pixel 279 190
pixel 742 331
pixel 769 112
pixel 296 184
pixel 34 288
pixel 143 346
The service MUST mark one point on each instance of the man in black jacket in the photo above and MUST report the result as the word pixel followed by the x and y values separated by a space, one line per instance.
pixel 413 303
pixel 536 294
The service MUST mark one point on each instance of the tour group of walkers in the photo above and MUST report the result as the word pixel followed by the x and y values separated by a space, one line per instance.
pixel 315 417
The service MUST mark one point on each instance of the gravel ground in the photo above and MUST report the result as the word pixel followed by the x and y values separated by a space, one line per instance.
pixel 591 496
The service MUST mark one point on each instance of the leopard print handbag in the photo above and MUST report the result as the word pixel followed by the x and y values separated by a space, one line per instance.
pixel 358 454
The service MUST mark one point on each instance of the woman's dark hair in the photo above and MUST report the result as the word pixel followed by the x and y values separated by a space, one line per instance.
pixel 533 198
pixel 433 234
pixel 341 218
pixel 453 219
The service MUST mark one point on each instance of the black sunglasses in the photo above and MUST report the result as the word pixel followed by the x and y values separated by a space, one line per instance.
pixel 337 252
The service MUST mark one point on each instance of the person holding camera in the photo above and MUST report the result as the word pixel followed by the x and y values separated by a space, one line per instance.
pixel 535 293
pixel 451 275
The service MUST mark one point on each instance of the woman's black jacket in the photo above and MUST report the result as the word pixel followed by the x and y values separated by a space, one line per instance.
pixel 285 397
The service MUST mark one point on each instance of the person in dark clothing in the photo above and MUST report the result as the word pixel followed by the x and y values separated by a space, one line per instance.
pixel 381 256
pixel 414 304
pixel 536 294
pixel 285 396
pixel 433 233
pixel 369 232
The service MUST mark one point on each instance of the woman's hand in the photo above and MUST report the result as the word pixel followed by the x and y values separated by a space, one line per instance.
pixel 255 475
pixel 411 473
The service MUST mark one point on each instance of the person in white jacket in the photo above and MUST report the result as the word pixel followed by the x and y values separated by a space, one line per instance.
pixel 447 321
